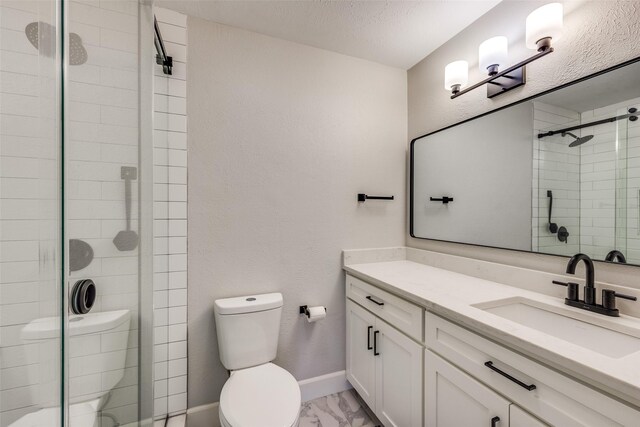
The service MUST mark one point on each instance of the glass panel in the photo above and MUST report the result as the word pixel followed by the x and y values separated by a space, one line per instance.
pixel 621 202
pixel 30 303
pixel 103 206
pixel 630 131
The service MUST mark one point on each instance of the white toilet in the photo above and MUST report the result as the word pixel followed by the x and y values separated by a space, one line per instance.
pixel 88 357
pixel 258 393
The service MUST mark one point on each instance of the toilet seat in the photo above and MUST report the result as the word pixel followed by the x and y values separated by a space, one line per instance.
pixel 264 395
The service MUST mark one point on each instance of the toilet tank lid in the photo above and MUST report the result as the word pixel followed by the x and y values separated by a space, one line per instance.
pixel 248 304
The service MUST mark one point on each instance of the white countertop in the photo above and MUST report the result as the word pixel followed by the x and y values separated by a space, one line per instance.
pixel 452 295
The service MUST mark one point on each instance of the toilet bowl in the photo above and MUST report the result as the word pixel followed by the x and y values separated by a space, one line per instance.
pixel 257 393
pixel 265 395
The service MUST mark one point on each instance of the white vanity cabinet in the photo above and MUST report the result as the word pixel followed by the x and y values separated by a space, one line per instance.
pixel 361 365
pixel 385 367
pixel 552 397
pixel 454 398
pixel 415 368
pixel 519 418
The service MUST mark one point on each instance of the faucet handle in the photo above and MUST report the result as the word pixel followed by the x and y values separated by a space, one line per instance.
pixel 609 298
pixel 572 289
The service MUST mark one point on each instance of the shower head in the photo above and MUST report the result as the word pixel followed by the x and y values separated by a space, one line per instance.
pixel 42 35
pixel 578 140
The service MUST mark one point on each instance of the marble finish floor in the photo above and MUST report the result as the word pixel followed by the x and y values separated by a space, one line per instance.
pixel 336 410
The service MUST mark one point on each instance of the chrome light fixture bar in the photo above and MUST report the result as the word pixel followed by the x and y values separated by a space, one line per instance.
pixel 542 26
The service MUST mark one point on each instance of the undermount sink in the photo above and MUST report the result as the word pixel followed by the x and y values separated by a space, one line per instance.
pixel 607 337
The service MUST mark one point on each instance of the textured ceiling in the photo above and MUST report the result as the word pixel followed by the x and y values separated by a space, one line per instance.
pixel 396 33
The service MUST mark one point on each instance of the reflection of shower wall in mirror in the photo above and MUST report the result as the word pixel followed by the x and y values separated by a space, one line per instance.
pixel 610 162
pixel 556 168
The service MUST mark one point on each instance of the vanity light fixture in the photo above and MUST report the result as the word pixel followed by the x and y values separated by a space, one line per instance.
pixel 543 25
pixel 492 53
pixel 456 75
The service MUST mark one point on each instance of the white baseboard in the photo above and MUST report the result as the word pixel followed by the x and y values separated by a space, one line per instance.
pixel 311 388
pixel 324 385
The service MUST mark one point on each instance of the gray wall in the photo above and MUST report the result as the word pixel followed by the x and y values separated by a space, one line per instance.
pixel 282 137
pixel 597 35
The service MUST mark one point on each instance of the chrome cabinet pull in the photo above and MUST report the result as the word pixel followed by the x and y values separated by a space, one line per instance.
pixel 529 387
pixel 369 328
pixel 370 298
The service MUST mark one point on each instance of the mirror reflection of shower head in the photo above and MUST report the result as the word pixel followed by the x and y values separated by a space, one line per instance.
pixel 578 140
pixel 42 36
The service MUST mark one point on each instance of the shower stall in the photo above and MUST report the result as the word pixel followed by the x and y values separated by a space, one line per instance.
pixel 76 212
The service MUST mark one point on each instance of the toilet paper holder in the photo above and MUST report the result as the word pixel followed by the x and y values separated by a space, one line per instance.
pixel 304 309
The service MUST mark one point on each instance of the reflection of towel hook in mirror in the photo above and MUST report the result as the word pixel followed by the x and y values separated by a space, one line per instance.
pixel 553 227
pixel 444 199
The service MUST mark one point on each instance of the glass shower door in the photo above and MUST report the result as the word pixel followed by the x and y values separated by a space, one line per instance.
pixel 629 140
pixel 30 214
pixel 104 211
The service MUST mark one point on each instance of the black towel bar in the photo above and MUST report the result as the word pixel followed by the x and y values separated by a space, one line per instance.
pixel 362 197
pixel 443 199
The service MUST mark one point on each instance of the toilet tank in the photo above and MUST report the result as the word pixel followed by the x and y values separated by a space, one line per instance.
pixel 97 347
pixel 248 329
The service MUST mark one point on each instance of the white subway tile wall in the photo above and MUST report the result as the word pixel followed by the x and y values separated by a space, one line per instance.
pixel 170 221
pixel 29 209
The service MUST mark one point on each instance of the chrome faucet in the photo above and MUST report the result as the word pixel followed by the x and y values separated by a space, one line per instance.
pixel 589 288
pixel 608 306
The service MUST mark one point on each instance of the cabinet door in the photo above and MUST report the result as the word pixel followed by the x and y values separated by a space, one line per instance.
pixel 361 365
pixel 520 418
pixel 455 399
pixel 398 377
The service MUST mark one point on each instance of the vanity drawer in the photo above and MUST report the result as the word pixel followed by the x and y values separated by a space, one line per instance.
pixel 551 396
pixel 402 314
